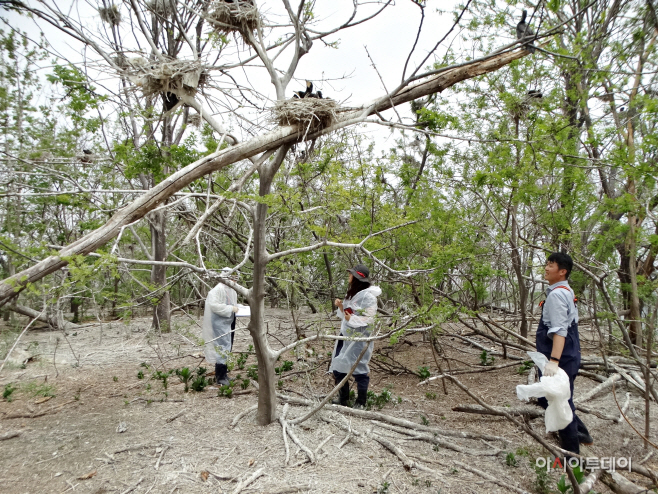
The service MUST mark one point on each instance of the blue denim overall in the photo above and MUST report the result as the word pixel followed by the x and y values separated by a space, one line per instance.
pixel 569 363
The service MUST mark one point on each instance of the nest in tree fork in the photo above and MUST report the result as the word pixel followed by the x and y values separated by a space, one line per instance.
pixel 175 76
pixel 308 114
pixel 241 16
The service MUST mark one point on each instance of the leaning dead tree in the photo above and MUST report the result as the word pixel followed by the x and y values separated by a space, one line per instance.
pixel 162 73
pixel 240 151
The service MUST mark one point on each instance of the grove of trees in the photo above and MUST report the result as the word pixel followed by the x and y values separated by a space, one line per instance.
pixel 124 183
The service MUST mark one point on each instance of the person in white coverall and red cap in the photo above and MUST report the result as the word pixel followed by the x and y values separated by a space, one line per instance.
pixel 357 312
pixel 219 326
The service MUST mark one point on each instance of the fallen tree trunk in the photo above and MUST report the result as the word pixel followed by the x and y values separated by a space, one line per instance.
pixel 40 316
pixel 620 484
pixel 599 390
pixel 528 412
pixel 157 195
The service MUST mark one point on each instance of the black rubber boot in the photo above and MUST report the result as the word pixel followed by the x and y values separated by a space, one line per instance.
pixel 361 399
pixel 343 397
pixel 221 377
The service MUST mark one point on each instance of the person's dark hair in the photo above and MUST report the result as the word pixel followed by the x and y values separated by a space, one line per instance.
pixel 355 287
pixel 562 260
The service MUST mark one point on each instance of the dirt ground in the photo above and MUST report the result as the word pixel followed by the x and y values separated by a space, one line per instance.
pixel 87 424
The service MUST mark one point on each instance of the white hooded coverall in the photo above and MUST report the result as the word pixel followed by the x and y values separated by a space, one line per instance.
pixel 218 317
pixel 364 305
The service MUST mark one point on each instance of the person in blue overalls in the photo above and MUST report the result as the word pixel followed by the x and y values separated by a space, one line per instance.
pixel 558 340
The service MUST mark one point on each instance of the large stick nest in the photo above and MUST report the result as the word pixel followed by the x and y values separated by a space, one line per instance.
pixel 240 15
pixel 308 114
pixel 153 77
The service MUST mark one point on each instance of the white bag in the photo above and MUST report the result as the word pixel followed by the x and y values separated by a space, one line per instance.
pixel 555 389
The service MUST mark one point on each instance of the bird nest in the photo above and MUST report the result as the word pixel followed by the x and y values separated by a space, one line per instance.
pixel 110 15
pixel 308 114
pixel 153 77
pixel 240 15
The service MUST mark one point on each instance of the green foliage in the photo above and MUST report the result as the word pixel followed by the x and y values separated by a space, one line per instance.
pixel 185 375
pixel 564 487
pixel 430 396
pixel 541 484
pixel 200 383
pixel 164 377
pixel 140 375
pixel 226 390
pixel 35 389
pixel 80 94
pixel 155 160
pixel 510 460
pixel 252 372
pixel 578 474
pixel 423 373
pixel 378 400
pixel 522 451
pixel 242 359
pixel 7 392
pixel 486 359
pixel 424 420
pixel 525 366
pixel 383 488
pixel 287 365
pixel 245 383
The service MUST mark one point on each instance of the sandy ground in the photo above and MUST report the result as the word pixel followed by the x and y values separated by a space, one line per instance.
pixel 81 411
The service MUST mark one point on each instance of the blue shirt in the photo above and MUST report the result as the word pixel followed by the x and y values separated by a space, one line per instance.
pixel 559 309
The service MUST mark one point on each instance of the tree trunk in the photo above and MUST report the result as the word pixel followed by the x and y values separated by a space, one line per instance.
pixel 161 314
pixel 514 244
pixel 332 292
pixel 264 354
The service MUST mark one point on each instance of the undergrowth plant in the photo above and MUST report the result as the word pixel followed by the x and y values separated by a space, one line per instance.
pixel 541 484
pixel 200 381
pixel 252 372
pixel 35 389
pixel 486 359
pixel 7 392
pixel 525 366
pixel 510 460
pixel 378 400
pixel 185 375
pixel 423 373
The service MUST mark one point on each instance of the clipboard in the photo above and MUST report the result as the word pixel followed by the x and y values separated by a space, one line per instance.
pixel 243 311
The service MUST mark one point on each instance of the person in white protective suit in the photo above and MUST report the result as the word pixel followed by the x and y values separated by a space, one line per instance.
pixel 219 326
pixel 357 312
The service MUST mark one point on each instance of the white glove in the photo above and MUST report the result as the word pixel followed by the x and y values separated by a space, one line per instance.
pixel 236 308
pixel 550 369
